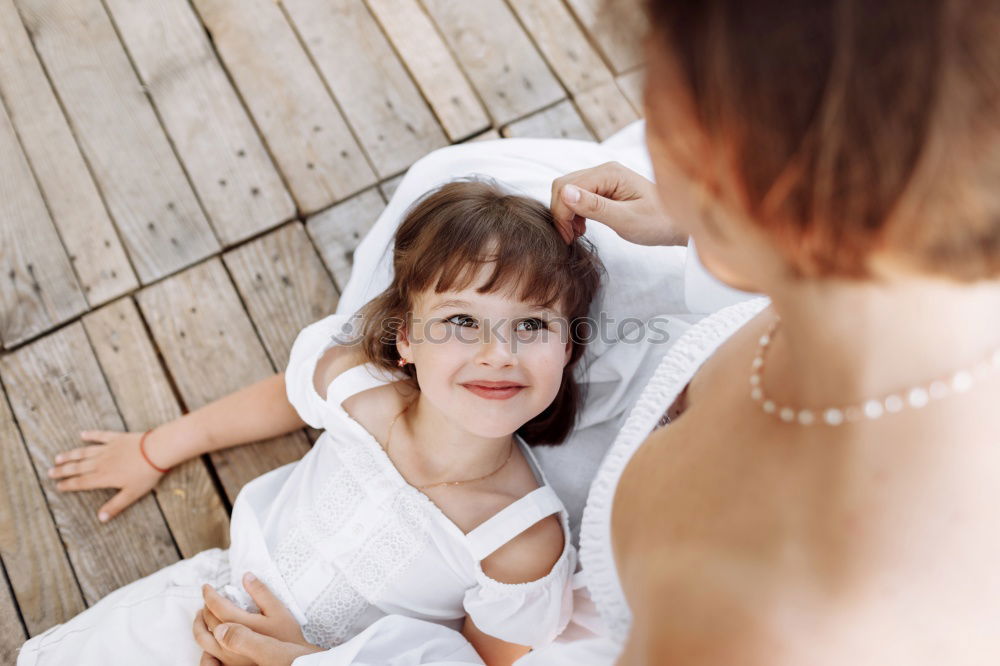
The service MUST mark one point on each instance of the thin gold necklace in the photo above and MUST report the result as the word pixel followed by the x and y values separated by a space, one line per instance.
pixel 388 442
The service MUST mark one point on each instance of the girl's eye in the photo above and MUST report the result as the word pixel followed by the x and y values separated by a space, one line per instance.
pixel 461 320
pixel 531 325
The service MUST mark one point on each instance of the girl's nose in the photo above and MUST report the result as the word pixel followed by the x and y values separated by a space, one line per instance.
pixel 494 351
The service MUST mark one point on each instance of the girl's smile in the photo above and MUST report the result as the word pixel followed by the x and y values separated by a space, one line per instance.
pixel 494 390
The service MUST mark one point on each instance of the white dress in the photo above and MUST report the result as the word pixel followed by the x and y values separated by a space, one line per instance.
pixel 342 539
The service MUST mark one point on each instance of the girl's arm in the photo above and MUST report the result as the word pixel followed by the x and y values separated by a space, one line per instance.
pixel 256 412
pixel 492 650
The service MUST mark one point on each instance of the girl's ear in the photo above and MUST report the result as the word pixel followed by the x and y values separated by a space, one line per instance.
pixel 403 346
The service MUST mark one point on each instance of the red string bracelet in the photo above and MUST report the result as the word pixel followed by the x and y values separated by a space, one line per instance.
pixel 142 450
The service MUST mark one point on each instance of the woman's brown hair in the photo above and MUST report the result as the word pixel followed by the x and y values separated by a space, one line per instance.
pixel 444 240
pixel 842 127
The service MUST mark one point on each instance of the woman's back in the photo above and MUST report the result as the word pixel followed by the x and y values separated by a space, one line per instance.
pixel 774 543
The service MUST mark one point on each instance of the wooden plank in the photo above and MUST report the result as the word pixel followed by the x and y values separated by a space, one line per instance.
pixel 605 110
pixel 378 97
pixel 557 122
pixel 631 85
pixel 321 160
pixel 337 231
pixel 427 57
pixel 187 496
pixel 225 159
pixel 40 574
pixel 488 135
pixel 211 350
pixel 502 63
pixel 11 630
pixel 563 43
pixel 284 285
pixel 56 390
pixel 388 188
pixel 617 28
pixel 37 289
pixel 145 189
pixel 95 251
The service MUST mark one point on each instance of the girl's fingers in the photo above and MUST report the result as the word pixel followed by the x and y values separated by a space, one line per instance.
pixel 72 469
pixel 82 482
pixel 208 660
pixel 262 596
pixel 121 501
pixel 224 609
pixel 103 436
pixel 77 454
pixel 204 638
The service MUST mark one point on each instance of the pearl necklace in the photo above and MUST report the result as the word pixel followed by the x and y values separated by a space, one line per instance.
pixel 914 397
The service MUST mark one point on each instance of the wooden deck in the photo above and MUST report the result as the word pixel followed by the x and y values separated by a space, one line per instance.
pixel 183 183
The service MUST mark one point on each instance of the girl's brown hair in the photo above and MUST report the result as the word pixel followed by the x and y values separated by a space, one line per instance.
pixel 444 240
pixel 842 127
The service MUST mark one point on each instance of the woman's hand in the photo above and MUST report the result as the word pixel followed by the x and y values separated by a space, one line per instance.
pixel 114 462
pixel 615 196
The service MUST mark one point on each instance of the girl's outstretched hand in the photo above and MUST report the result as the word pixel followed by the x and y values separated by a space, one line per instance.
pixel 616 196
pixel 113 462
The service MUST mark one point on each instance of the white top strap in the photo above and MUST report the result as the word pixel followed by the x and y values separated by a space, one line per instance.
pixel 512 520
pixel 355 380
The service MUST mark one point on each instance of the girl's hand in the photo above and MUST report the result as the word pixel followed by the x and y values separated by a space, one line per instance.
pixel 247 647
pixel 115 462
pixel 616 196
pixel 274 619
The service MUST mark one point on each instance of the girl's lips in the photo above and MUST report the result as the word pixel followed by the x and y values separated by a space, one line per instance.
pixel 494 390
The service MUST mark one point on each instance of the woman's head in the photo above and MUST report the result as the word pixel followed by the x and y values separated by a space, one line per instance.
pixel 836 137
pixel 488 305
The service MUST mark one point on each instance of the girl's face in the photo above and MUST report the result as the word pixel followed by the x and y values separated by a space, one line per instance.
pixel 488 362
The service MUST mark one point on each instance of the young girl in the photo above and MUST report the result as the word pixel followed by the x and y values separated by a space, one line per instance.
pixel 422 496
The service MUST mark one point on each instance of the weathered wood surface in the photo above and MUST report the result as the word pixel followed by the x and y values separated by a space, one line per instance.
pixel 11 630
pixel 377 95
pixel 561 121
pixel 40 575
pixel 309 138
pixel 143 138
pixel 605 110
pixel 284 286
pixel 211 349
pixel 337 231
pixel 502 63
pixel 38 289
pixel 187 496
pixel 224 157
pixel 56 389
pixel 144 186
pixel 617 28
pixel 631 84
pixel 562 42
pixel 95 251
pixel 426 56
